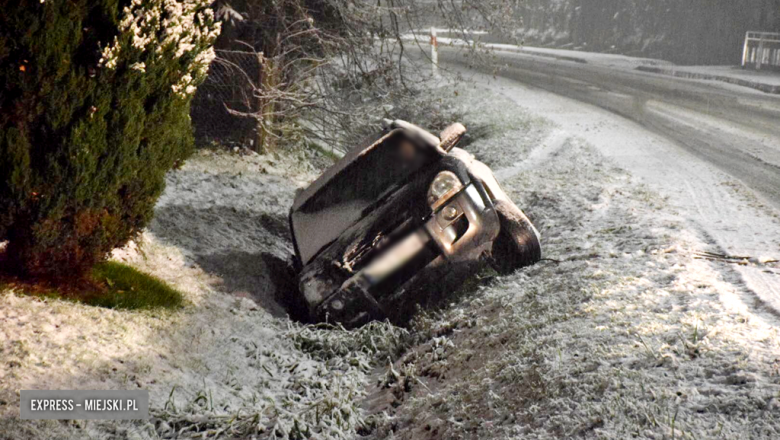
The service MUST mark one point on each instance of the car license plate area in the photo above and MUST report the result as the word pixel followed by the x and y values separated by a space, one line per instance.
pixel 395 257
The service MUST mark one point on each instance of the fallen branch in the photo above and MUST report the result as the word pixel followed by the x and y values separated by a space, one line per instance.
pixel 734 259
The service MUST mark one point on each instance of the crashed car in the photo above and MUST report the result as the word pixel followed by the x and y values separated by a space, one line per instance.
pixel 400 221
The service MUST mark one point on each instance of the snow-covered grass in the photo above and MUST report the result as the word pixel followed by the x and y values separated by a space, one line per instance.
pixel 620 333
pixel 229 363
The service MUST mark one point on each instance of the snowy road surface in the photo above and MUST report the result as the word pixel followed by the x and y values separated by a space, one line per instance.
pixel 713 149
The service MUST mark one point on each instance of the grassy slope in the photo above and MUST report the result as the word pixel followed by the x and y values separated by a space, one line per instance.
pixel 222 363
pixel 626 335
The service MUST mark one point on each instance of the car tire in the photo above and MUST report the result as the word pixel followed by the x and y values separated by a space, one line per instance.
pixel 517 244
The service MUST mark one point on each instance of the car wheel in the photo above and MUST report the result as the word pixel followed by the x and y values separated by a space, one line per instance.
pixel 517 244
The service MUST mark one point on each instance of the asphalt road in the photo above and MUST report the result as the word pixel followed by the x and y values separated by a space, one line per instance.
pixel 736 130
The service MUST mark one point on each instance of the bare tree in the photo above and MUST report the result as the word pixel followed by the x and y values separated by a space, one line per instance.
pixel 324 57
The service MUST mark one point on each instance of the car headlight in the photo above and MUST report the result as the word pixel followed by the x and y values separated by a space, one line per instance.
pixel 444 185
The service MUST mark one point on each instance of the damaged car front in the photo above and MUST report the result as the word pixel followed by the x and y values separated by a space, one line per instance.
pixel 398 221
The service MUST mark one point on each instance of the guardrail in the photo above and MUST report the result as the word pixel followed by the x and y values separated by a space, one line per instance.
pixel 761 49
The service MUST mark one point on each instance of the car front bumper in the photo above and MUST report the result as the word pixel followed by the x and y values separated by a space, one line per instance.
pixel 456 235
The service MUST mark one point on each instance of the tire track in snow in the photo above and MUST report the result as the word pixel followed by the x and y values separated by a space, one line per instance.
pixel 554 142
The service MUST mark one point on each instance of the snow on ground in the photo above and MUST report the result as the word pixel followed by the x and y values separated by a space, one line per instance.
pixel 625 334
pixel 605 59
pixel 766 81
pixel 622 332
pixel 230 363
pixel 727 216
pixel 769 77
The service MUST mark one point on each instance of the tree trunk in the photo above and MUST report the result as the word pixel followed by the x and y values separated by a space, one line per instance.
pixel 269 80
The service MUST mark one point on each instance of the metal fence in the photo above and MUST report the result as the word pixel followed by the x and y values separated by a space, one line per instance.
pixel 230 83
pixel 762 49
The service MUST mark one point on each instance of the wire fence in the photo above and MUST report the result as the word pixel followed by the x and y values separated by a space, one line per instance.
pixel 230 84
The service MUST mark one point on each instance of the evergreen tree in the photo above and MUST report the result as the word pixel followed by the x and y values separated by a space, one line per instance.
pixel 94 110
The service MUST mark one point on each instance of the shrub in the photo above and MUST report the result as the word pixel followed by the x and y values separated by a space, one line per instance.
pixel 95 99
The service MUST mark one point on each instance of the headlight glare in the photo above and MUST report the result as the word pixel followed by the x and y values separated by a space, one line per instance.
pixel 443 184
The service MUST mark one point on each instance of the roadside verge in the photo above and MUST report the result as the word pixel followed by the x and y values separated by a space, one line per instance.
pixel 763 83
pixel 767 82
